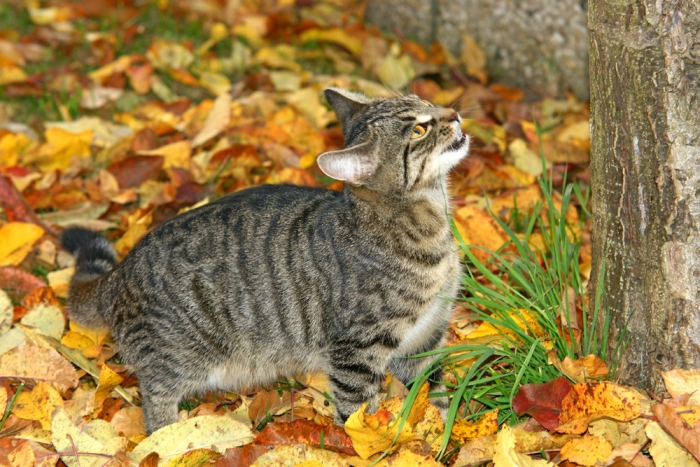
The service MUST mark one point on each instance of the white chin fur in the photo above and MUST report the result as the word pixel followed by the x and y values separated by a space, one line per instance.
pixel 450 158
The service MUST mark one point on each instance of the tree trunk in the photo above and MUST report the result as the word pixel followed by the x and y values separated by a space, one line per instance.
pixel 645 171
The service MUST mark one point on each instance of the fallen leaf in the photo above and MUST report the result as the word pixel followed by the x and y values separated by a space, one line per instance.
pixel 38 363
pixel 138 227
pixel 543 402
pixel 48 319
pixel 679 382
pixel 587 450
pixel 300 455
pixel 207 432
pixel 242 456
pixel 505 454
pixel 129 421
pixel 673 423
pixel 463 431
pixel 305 432
pixel 108 381
pixel 216 122
pixel 174 155
pixel 6 312
pixel 195 458
pixel 17 279
pixel 39 404
pixel 59 281
pixel 582 369
pixel 590 401
pixel 16 241
pixel 665 450
pixel 96 437
pixel 479 229
pixel 88 341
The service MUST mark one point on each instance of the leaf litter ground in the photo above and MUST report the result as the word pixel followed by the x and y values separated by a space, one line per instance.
pixel 118 115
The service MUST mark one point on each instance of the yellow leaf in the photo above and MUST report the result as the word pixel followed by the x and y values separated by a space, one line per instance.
pixel 3 399
pixel 586 450
pixel 22 456
pixel 217 120
pixel 120 65
pixel 60 280
pixel 463 431
pixel 300 455
pixel 138 227
pixel 590 401
pixel 206 432
pixel 76 340
pixel 665 450
pixel 216 83
pixel 505 454
pixel 396 70
pixel 373 433
pixel 48 319
pixel 11 74
pixel 16 241
pixel 176 154
pixel 409 458
pixel 95 437
pixel 59 148
pixel 478 228
pixel 13 146
pixel 679 382
pixel 108 381
pixel 39 404
pixel 524 319
pixel 195 458
pixel 334 36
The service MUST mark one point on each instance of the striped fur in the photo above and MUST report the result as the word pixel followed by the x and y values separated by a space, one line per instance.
pixel 277 281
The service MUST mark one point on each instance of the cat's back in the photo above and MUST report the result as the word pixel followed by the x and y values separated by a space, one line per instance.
pixel 237 217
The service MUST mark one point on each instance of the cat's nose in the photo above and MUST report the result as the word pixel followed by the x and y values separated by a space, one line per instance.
pixel 454 117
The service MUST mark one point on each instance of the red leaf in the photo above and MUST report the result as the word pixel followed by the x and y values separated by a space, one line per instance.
pixel 542 401
pixel 19 280
pixel 133 171
pixel 305 432
pixel 242 456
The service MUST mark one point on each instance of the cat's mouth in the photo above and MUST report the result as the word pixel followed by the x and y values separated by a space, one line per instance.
pixel 458 143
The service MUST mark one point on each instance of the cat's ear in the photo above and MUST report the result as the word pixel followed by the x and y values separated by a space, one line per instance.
pixel 346 104
pixel 352 165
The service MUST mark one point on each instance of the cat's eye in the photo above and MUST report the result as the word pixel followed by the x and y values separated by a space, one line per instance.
pixel 418 132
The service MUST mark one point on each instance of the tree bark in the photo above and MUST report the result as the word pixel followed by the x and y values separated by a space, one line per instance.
pixel 645 172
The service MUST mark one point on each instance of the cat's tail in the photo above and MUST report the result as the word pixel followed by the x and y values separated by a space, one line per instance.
pixel 94 257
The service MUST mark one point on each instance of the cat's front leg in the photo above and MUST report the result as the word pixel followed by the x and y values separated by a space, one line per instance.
pixel 405 367
pixel 355 378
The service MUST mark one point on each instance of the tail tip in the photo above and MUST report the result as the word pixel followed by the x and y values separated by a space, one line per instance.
pixel 73 238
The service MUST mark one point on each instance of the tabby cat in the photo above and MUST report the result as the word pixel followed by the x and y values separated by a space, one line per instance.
pixel 275 281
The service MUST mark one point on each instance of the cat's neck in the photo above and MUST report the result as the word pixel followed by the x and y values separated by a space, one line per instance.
pixel 435 202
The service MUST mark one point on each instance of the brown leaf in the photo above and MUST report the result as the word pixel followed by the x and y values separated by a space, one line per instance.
pixel 305 432
pixel 150 460
pixel 242 456
pixel 133 171
pixel 673 423
pixel 265 403
pixel 40 364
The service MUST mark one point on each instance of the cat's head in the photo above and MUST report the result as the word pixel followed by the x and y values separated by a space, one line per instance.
pixel 399 145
